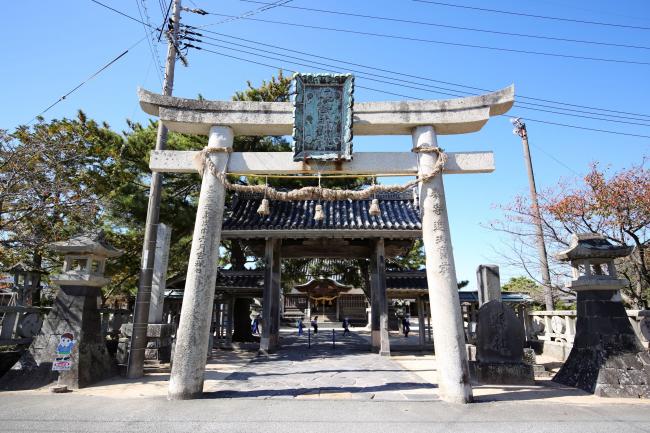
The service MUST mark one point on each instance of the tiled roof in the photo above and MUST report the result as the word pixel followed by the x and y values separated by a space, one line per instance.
pixel 411 282
pixel 240 279
pixel 398 212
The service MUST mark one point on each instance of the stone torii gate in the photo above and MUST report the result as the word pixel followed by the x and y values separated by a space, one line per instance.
pixel 422 120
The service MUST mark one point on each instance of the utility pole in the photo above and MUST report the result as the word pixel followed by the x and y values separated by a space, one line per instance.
pixel 520 130
pixel 143 298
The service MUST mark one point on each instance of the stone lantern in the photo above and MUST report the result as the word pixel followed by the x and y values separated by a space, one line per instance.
pixel 70 345
pixel 607 358
pixel 27 279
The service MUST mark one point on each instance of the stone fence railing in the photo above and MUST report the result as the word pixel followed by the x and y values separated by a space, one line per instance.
pixel 560 325
pixel 18 325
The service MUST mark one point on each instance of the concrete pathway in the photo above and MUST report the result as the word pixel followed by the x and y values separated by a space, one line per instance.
pixel 318 366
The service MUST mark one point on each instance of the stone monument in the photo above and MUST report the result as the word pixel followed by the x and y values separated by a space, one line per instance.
pixel 500 336
pixel 70 345
pixel 607 358
pixel 500 348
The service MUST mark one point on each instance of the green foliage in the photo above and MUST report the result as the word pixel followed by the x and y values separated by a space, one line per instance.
pixel 521 285
pixel 47 178
pixel 414 259
pixel 63 177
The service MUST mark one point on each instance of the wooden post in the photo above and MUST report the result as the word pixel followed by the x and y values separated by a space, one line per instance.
pixel 186 379
pixel 374 305
pixel 267 296
pixel 380 302
pixel 275 294
pixel 449 338
pixel 421 324
pixel 135 368
pixel 230 322
pixel 217 322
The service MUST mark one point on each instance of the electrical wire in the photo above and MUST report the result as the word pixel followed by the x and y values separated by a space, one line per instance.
pixel 411 97
pixel 145 24
pixel 433 41
pixel 521 14
pixel 164 23
pixel 255 11
pixel 464 86
pixel 418 77
pixel 99 71
pixel 447 26
pixel 398 81
pixel 417 98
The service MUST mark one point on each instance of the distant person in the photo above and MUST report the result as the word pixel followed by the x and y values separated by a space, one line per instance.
pixel 314 324
pixel 255 325
pixel 300 326
pixel 406 326
pixel 346 327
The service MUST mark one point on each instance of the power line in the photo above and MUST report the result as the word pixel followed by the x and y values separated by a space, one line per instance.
pixel 429 87
pixel 164 23
pixel 402 95
pixel 418 77
pixel 154 57
pixel 99 71
pixel 447 26
pixel 398 80
pixel 252 12
pixel 417 98
pixel 545 17
pixel 432 41
pixel 119 12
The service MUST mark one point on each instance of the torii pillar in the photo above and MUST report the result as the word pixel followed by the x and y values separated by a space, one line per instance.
pixel 448 337
pixel 186 379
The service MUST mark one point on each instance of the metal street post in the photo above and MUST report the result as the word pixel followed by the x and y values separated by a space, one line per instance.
pixel 143 298
pixel 520 130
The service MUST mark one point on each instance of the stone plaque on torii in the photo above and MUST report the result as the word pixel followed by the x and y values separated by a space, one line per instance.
pixel 422 120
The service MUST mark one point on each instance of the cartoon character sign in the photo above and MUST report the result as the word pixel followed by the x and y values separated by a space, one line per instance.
pixel 62 361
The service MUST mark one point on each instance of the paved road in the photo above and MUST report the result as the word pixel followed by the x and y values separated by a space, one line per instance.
pixel 313 390
pixel 76 413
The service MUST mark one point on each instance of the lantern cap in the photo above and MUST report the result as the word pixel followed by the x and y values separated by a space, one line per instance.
pixel 592 246
pixel 87 243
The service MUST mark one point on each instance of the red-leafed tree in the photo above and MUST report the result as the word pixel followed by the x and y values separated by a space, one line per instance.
pixel 616 205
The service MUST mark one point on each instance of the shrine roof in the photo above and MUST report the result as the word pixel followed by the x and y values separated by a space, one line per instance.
pixel 247 281
pixel 400 217
pixel 406 284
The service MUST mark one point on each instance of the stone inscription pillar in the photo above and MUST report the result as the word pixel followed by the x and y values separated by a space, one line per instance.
pixel 186 379
pixel 488 284
pixel 163 241
pixel 448 336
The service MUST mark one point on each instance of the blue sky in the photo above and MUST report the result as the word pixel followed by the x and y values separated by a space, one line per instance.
pixel 52 46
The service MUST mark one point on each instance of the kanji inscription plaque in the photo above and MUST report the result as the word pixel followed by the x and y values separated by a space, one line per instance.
pixel 322 116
